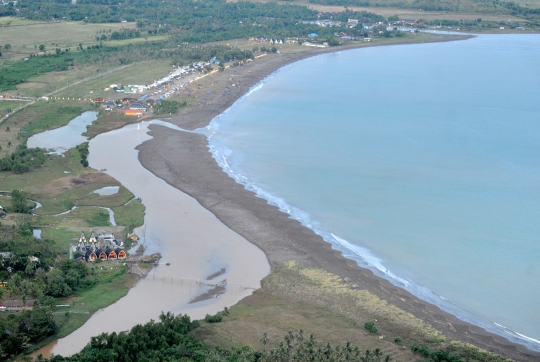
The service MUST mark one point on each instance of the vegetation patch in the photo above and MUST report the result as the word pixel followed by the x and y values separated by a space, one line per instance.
pixel 216 318
pixel 296 298
pixel 370 326
pixel 23 159
pixel 130 215
pixel 57 117
pixel 83 151
pixel 39 279
pixel 170 340
pixel 169 107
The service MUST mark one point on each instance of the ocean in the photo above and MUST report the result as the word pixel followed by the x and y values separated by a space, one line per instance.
pixel 421 162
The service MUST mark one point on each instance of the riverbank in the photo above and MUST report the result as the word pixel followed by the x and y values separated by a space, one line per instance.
pixel 194 246
pixel 193 170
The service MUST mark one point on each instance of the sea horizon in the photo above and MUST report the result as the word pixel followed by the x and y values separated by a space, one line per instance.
pixel 232 148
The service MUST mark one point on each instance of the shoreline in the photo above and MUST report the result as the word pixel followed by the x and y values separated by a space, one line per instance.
pixel 195 172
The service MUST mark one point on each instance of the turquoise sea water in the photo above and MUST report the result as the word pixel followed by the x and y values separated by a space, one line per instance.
pixel 421 162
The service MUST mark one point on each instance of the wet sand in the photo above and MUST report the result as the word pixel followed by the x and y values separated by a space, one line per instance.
pixel 188 236
pixel 182 159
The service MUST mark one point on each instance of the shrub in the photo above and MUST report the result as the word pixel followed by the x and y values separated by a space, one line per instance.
pixel 397 340
pixel 370 326
pixel 213 318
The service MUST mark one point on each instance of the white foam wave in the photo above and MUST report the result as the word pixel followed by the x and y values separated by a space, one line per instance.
pixel 361 255
pixel 527 338
pixel 370 259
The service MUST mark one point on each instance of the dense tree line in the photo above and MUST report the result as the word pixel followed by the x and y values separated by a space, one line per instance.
pixel 199 21
pixel 170 340
pixel 430 5
pixel 187 21
pixel 19 331
pixel 481 6
pixel 23 159
pixel 17 72
pixel 178 13
pixel 33 271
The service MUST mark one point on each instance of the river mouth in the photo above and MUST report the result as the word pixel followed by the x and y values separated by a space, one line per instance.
pixel 190 239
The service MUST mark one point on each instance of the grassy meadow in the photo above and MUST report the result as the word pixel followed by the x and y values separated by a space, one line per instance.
pixel 60 184
pixel 138 73
pixel 26 36
pixel 36 118
pixel 295 298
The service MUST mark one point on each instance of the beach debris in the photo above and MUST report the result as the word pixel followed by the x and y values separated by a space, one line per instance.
pixel 133 237
pixel 146 258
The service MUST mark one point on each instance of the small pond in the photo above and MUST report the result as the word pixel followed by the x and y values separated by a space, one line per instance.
pixel 107 190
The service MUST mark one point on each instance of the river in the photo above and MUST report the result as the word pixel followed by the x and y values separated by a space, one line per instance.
pixel 189 237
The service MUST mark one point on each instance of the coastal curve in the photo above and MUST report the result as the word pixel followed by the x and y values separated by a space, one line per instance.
pixel 192 169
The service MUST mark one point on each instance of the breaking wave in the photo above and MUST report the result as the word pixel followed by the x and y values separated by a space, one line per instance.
pixel 363 256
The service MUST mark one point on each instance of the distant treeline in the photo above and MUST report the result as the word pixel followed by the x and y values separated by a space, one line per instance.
pixel 480 6
pixel 177 13
pixel 218 15
pixel 203 20
pixel 17 72
pixel 281 24
pixel 429 5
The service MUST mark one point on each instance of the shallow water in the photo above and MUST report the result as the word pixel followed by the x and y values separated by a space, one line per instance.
pixel 111 215
pixel 61 139
pixel 188 236
pixel 419 161
pixel 107 190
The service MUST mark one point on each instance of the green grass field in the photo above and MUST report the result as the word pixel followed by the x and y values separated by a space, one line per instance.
pixel 51 120
pixel 136 40
pixel 130 215
pixel 63 238
pixel 25 36
pixel 38 117
pixel 139 73
pixel 13 105
pixel 295 298
pixel 10 106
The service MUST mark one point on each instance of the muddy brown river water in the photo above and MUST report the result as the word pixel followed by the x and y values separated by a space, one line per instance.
pixel 189 237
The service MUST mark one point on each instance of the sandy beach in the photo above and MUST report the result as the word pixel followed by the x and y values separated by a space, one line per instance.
pixel 182 159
